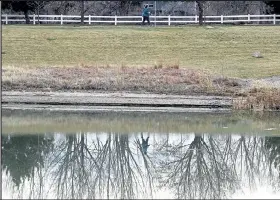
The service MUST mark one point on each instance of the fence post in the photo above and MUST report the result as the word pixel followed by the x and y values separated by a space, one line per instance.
pixel 169 21
pixel 6 18
pixel 61 19
pixel 274 19
pixel 249 18
pixel 116 20
pixel 196 21
pixel 34 22
pixel 89 19
pixel 222 19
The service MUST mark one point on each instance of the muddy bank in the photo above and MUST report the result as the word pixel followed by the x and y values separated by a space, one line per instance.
pixel 113 101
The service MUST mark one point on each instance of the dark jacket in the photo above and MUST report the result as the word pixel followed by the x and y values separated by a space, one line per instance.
pixel 145 12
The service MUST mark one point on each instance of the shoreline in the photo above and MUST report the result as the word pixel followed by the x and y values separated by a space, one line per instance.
pixel 114 101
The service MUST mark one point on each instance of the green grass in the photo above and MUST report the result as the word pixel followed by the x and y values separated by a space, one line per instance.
pixel 225 50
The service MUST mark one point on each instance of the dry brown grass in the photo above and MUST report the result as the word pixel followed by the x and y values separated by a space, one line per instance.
pixel 166 79
pixel 259 99
pixel 158 65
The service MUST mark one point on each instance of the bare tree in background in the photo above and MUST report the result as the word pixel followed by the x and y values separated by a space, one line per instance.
pixel 38 6
pixel 200 5
pixel 82 11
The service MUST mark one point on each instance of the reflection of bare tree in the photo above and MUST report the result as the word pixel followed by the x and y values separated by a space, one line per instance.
pixel 72 173
pixel 211 167
pixel 272 144
pixel 109 166
pixel 248 154
pixel 201 171
pixel 101 168
pixel 124 176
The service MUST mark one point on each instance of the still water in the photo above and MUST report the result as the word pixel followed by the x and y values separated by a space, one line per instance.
pixel 101 155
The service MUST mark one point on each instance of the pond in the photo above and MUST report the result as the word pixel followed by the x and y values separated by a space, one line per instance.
pixel 49 154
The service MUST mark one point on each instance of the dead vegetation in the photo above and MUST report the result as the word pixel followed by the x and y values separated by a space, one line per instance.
pixel 259 99
pixel 170 79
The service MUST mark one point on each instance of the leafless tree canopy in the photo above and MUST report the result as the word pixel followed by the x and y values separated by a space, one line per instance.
pixel 112 165
pixel 135 7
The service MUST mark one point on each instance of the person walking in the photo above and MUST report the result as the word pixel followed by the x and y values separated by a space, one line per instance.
pixel 146 15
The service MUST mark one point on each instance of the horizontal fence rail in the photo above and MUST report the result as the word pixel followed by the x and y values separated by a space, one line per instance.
pixel 159 20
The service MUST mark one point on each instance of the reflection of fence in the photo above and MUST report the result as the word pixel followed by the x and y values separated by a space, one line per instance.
pixel 161 20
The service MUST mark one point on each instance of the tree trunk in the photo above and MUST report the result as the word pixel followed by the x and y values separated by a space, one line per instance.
pixel 27 20
pixel 200 12
pixel 38 11
pixel 82 12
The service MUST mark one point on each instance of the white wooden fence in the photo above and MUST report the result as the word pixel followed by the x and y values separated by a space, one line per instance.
pixel 159 20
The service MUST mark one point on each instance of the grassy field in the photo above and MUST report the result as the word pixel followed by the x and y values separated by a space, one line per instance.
pixel 223 50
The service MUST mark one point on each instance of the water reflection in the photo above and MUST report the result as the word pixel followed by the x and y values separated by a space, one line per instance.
pixel 17 121
pixel 114 165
